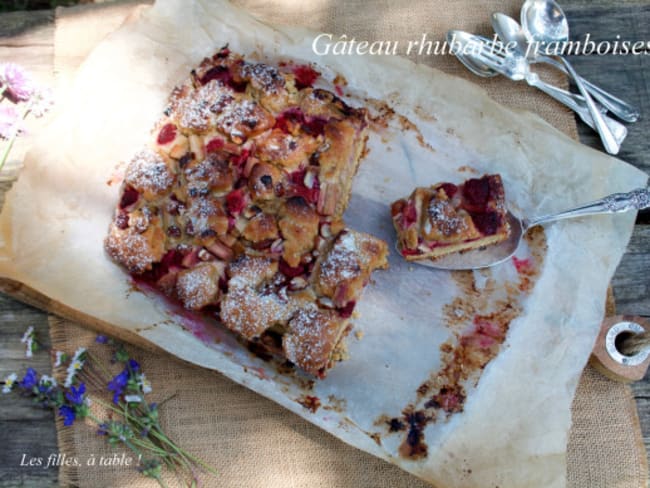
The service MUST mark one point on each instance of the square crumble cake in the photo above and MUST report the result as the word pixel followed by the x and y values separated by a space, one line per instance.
pixel 235 207
pixel 447 218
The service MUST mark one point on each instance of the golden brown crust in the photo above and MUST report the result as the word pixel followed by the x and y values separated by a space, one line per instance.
pixel 287 150
pixel 342 271
pixel 136 251
pixel 263 180
pixel 260 228
pixel 312 337
pixel 299 227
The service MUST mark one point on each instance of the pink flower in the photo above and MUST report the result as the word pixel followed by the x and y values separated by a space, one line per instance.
pixel 10 121
pixel 16 81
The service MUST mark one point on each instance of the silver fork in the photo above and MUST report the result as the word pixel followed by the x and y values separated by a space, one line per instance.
pixel 517 68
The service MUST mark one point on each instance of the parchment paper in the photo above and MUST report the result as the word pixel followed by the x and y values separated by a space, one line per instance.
pixel 514 426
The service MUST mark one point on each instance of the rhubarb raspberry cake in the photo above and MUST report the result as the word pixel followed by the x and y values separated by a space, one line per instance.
pixel 234 208
pixel 446 218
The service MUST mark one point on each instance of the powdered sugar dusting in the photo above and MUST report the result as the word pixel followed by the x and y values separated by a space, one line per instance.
pixel 342 263
pixel 241 113
pixel 199 286
pixel 199 110
pixel 311 338
pixel 130 248
pixel 443 216
pixel 264 77
pixel 148 171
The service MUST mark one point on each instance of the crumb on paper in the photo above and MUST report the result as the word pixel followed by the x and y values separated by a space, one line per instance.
pixel 358 334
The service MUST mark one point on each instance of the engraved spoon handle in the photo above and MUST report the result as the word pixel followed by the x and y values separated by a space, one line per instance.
pixel 638 199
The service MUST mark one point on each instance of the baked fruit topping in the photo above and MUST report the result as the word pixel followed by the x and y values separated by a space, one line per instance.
pixel 446 218
pixel 234 208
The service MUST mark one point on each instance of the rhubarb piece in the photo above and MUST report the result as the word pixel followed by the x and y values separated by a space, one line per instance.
pixel 446 218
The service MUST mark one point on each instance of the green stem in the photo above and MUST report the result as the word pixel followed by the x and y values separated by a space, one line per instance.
pixel 96 362
pixel 160 436
pixel 183 453
pixel 5 153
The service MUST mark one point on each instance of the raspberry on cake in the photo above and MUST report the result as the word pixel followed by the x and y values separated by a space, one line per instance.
pixel 446 218
pixel 235 208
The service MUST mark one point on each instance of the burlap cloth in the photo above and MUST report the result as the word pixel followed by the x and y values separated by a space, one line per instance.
pixel 250 440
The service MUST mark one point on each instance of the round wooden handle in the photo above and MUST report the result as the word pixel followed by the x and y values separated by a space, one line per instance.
pixel 622 350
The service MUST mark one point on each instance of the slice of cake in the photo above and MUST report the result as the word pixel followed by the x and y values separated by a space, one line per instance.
pixel 446 218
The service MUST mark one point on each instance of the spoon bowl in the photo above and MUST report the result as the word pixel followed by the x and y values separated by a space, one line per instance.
pixel 462 40
pixel 545 21
pixel 510 32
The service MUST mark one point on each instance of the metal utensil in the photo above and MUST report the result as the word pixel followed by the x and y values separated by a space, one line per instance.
pixel 492 255
pixel 511 33
pixel 546 22
pixel 483 57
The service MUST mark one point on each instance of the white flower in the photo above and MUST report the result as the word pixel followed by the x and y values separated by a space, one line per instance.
pixel 28 340
pixel 132 398
pixel 47 381
pixel 10 380
pixel 42 101
pixel 75 365
pixel 59 359
pixel 144 383
pixel 29 333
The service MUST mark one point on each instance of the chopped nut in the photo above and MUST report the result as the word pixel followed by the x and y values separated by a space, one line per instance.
pixel 325 302
pixel 298 283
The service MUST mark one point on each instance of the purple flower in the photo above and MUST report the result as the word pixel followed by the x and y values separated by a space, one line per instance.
pixel 16 81
pixel 10 121
pixel 103 429
pixel 101 339
pixel 117 385
pixel 76 395
pixel 30 380
pixel 68 415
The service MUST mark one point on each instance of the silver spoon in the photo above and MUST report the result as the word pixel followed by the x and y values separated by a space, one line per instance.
pixel 475 66
pixel 481 56
pixel 511 33
pixel 545 21
pixel 492 255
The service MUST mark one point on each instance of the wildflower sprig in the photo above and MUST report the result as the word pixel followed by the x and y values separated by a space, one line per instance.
pixel 31 344
pixel 131 421
pixel 19 96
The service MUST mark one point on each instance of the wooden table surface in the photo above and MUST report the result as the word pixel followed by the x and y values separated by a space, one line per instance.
pixel 27 38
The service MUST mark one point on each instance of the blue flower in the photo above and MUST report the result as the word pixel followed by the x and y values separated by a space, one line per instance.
pixel 117 385
pixel 30 380
pixel 101 339
pixel 68 415
pixel 103 429
pixel 134 366
pixel 76 395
